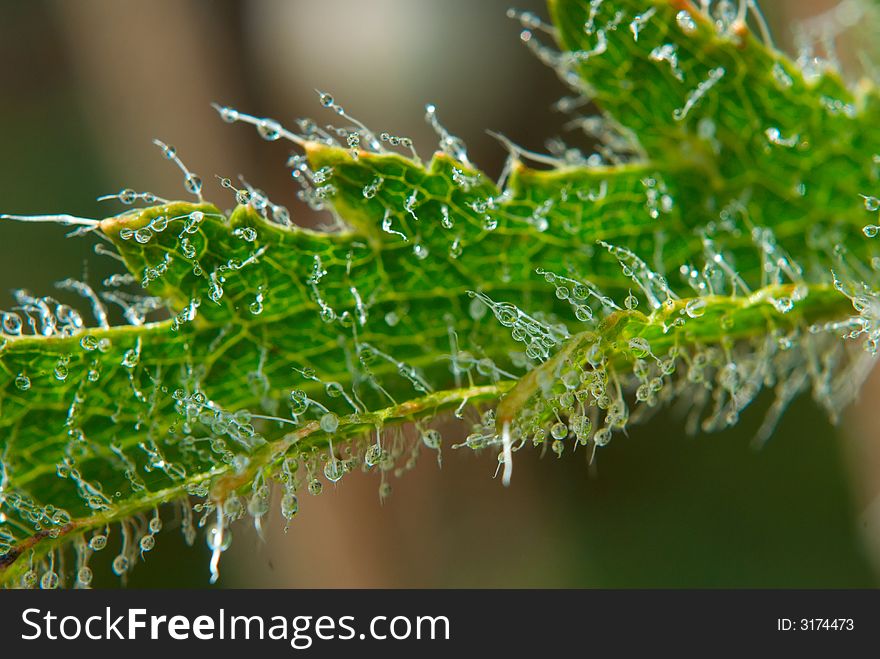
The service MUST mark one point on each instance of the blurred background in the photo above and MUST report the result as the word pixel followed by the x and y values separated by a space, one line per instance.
pixel 87 84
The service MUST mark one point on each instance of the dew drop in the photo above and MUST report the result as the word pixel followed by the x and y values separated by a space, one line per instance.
pixel 783 80
pixel 334 469
pixel 559 430
pixel 583 313
pixel 22 382
pixel 315 487
pixel 329 422
pixel 477 310
pixel 269 130
pixel 640 347
pixel 686 22
pixel 420 251
pixel 871 230
pixel 147 543
pixel 84 576
pixel 248 234
pixel 289 505
pixel 98 542
pixel 872 204
pixel 193 185
pixel 432 439
pixel 49 580
pixel 120 565
pixel 143 235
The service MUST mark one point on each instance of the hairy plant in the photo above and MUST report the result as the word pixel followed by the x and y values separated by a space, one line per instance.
pixel 718 242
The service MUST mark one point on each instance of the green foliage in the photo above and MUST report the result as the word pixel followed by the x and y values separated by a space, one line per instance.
pixel 711 248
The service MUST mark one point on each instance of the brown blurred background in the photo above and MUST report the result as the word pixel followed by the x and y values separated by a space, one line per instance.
pixel 86 84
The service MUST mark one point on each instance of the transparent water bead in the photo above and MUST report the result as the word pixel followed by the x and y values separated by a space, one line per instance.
pixel 49 580
pixel 329 422
pixel 334 469
pixel 120 565
pixel 97 542
pixel 289 505
pixel 685 22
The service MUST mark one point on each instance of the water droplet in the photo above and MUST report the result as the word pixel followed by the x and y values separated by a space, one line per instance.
pixel 583 313
pixel 147 543
pixel 143 235
pixel 245 233
pixel 49 580
pixel 131 358
pixel 22 382
pixel 783 304
pixel 602 437
pixel 420 251
pixel 686 22
pixel 783 80
pixel 269 130
pixel 559 430
pixel 477 310
pixel 872 204
pixel 229 115
pixel 84 576
pixel 98 542
pixel 127 196
pixel 640 347
pixel 299 402
pixel 11 323
pixel 373 455
pixel 432 438
pixel 120 565
pixel 871 230
pixel 774 136
pixel 289 505
pixel 329 422
pixel 455 249
pixel 61 372
pixel 315 487
pixel 334 469
pixel 446 220
pixel 193 185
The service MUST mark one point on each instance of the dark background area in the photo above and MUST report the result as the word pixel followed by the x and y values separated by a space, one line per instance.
pixel 86 85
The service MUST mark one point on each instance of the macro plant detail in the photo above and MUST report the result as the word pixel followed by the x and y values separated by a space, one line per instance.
pixel 717 243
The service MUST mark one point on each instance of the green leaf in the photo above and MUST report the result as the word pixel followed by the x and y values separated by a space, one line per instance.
pixel 692 265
